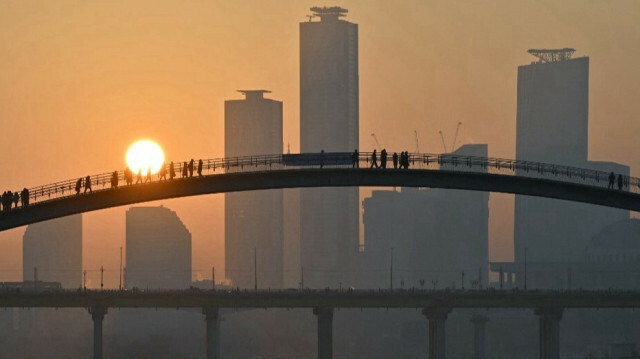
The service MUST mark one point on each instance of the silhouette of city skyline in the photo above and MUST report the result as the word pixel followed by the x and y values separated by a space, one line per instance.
pixel 320 226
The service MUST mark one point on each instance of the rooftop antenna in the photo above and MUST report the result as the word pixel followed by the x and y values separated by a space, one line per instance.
pixel 415 133
pixel 310 17
pixel 442 138
pixel 455 137
pixel 375 138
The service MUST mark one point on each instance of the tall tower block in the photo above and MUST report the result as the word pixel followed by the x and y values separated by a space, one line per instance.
pixel 552 126
pixel 329 116
pixel 553 108
pixel 254 220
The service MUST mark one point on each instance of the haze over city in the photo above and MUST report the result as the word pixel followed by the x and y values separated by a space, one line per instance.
pixel 81 82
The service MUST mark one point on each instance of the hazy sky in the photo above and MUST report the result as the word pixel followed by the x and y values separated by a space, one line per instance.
pixel 82 80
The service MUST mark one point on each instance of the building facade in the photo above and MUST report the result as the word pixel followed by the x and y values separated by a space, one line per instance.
pixel 329 121
pixel 552 127
pixel 254 234
pixel 52 252
pixel 426 238
pixel 158 249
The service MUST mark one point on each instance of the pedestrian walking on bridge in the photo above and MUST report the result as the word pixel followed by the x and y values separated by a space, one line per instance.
pixel 612 180
pixel 374 159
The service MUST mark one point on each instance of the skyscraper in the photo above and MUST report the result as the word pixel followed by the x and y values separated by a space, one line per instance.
pixel 158 249
pixel 329 116
pixel 52 251
pixel 254 220
pixel 552 127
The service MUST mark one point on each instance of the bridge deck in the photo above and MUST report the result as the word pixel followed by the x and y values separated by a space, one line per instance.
pixel 337 299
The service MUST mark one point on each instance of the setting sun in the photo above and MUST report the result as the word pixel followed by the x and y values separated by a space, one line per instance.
pixel 143 155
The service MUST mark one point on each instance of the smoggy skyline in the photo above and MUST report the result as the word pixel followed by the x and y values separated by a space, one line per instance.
pixel 79 83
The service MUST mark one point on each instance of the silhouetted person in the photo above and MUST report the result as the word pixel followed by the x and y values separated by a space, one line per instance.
pixel 185 170
pixel 191 163
pixel 355 159
pixel 321 158
pixel 200 168
pixel 395 160
pixel 383 158
pixel 16 199
pixel 139 177
pixel 374 159
pixel 24 197
pixel 148 179
pixel 612 180
pixel 128 176
pixel 114 179
pixel 87 184
pixel 3 199
pixel 162 174
pixel 620 182
pixel 172 171
pixel 78 185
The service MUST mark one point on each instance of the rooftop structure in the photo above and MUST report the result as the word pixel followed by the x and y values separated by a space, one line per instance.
pixel 253 94
pixel 328 13
pixel 552 55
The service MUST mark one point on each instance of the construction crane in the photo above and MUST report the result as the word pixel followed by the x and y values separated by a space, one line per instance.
pixel 375 138
pixel 415 132
pixel 443 144
pixel 455 137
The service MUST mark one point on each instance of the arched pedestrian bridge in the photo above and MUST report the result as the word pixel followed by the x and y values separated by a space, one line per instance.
pixel 331 170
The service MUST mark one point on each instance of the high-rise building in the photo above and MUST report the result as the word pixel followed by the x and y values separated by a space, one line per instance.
pixel 552 127
pixel 52 251
pixel 254 220
pixel 433 236
pixel 158 249
pixel 329 115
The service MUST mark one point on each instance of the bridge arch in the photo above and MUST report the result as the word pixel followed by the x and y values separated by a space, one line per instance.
pixel 319 177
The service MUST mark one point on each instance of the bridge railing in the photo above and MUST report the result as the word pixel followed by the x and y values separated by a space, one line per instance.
pixel 272 162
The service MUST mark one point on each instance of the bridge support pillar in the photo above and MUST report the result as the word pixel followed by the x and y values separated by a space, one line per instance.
pixel 479 340
pixel 212 317
pixel 437 318
pixel 325 331
pixel 97 314
pixel 549 332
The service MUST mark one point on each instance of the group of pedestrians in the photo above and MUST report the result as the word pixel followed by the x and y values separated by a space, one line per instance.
pixel 188 169
pixel 9 200
pixel 402 161
pixel 612 181
pixel 83 182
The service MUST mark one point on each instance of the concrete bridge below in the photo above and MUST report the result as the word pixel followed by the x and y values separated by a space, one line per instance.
pixel 435 305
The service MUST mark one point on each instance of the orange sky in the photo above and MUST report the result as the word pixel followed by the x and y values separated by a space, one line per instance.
pixel 81 80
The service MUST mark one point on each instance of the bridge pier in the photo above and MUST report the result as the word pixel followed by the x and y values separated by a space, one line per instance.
pixel 212 317
pixel 479 340
pixel 549 332
pixel 437 343
pixel 325 331
pixel 97 314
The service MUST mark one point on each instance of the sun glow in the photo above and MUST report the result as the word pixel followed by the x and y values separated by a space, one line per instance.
pixel 143 155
